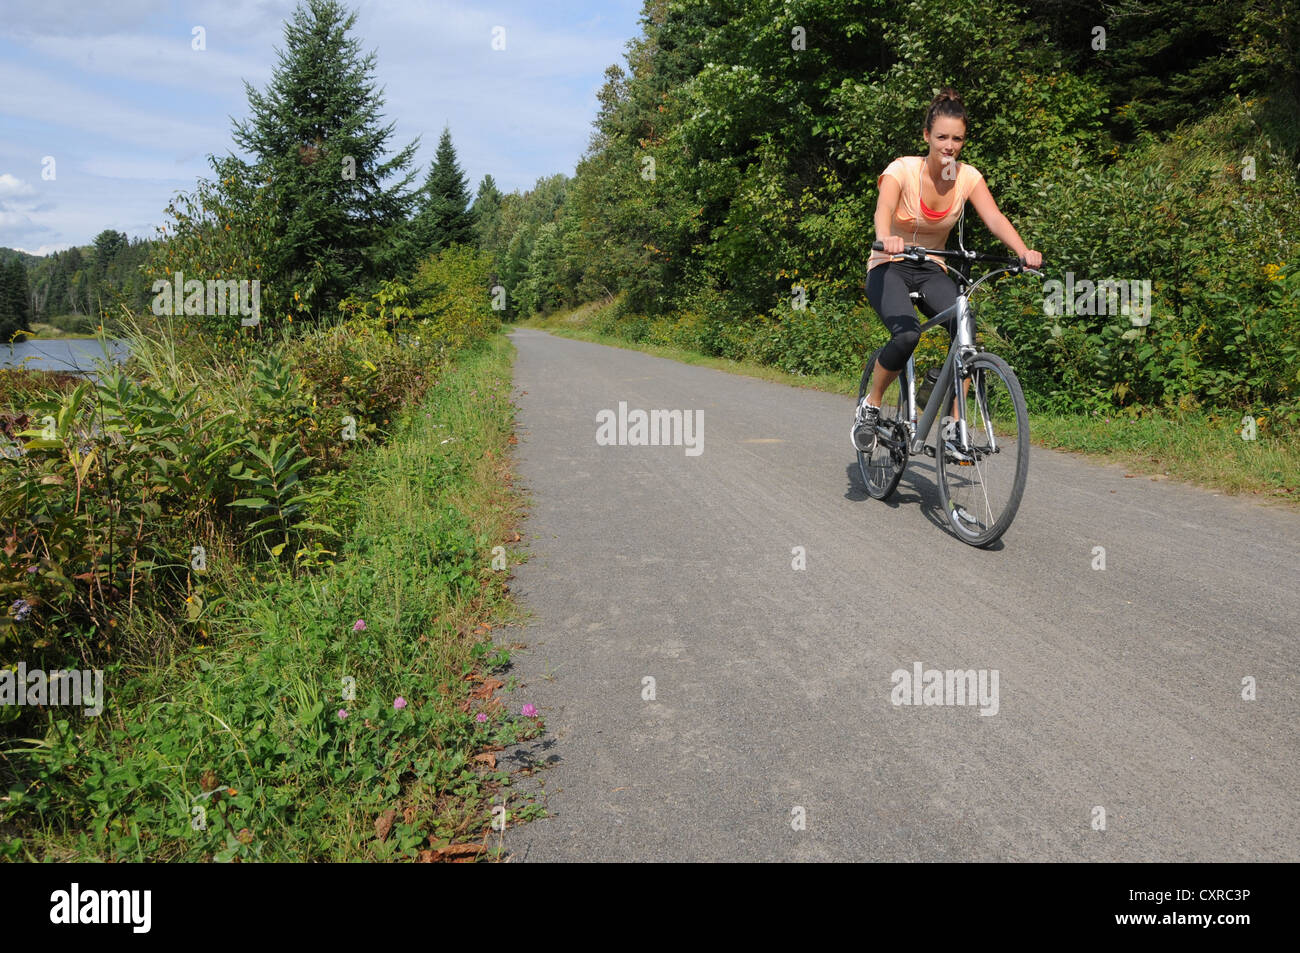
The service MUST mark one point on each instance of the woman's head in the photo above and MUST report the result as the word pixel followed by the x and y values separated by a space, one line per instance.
pixel 945 125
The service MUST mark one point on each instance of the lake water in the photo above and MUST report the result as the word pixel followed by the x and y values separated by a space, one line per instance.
pixel 76 355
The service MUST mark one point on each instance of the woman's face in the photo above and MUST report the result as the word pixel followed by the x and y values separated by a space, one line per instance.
pixel 946 137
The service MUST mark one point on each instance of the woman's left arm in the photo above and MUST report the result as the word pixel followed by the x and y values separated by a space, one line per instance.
pixel 1000 226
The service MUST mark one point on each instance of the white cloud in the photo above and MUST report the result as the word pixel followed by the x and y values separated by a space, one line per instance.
pixel 11 187
pixel 43 98
pixel 159 61
pixel 45 249
pixel 184 170
pixel 78 18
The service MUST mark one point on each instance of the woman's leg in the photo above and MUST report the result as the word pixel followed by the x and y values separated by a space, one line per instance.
pixel 887 291
pixel 938 292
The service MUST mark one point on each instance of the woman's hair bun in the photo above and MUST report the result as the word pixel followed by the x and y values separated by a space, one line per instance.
pixel 946 103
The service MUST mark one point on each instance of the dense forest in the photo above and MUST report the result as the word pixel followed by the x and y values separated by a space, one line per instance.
pixel 75 289
pixel 736 158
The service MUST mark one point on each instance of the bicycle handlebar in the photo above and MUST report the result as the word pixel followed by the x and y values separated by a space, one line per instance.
pixel 917 253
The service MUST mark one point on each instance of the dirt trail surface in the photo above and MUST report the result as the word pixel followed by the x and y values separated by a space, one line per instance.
pixel 773 733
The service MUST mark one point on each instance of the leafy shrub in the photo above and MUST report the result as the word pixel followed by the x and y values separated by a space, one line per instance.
pixel 1219 251
pixel 824 338
pixel 452 292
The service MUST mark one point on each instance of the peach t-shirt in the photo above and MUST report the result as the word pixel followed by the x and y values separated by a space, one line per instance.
pixel 909 224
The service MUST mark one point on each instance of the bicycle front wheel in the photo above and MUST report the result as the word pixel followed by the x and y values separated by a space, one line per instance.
pixel 982 477
pixel 883 467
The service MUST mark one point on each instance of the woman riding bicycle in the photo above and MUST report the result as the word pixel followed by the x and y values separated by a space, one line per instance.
pixel 911 188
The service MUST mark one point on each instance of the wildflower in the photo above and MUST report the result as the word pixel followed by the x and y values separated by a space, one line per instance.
pixel 481 717
pixel 343 713
pixel 359 625
pixel 399 702
pixel 33 569
pixel 528 711
pixel 20 609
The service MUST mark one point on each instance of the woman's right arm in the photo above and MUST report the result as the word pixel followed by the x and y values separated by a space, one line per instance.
pixel 886 204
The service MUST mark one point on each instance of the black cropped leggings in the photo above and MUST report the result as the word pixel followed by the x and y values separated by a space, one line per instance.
pixel 887 289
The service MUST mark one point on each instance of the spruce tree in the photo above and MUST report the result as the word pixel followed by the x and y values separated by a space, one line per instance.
pixel 487 213
pixel 14 310
pixel 315 135
pixel 8 320
pixel 444 217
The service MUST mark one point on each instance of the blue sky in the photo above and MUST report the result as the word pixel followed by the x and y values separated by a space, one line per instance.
pixel 115 93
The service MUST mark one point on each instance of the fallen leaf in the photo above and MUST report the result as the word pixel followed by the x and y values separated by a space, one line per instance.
pixel 455 853
pixel 487 758
pixel 489 686
pixel 384 823
pixel 408 815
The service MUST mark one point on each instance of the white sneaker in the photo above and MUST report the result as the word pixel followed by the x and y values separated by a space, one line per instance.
pixel 863 434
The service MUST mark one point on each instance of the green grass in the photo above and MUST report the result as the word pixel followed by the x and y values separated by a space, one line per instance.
pixel 253 714
pixel 1192 447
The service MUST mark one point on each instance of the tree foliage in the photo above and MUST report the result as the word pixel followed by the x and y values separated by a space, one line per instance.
pixel 320 208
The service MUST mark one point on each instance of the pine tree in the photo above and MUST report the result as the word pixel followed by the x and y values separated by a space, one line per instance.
pixel 8 320
pixel 108 244
pixel 487 213
pixel 444 218
pixel 14 309
pixel 315 135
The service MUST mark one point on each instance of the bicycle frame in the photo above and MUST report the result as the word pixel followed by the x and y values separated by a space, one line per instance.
pixel 962 349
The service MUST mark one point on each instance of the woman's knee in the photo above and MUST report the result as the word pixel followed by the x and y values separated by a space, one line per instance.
pixel 900 347
pixel 906 342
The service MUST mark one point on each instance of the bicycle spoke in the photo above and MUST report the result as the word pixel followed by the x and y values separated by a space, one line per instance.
pixel 982 483
pixel 883 467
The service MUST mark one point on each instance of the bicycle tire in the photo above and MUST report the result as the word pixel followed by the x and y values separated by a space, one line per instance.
pixel 883 468
pixel 973 524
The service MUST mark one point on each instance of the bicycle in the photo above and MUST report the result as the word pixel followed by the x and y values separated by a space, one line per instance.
pixel 980 437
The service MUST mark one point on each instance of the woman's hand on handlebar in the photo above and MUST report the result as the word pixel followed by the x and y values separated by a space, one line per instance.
pixel 1032 259
pixel 890 244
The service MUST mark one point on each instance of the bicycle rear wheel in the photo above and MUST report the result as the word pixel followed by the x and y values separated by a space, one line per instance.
pixel 883 467
pixel 982 481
